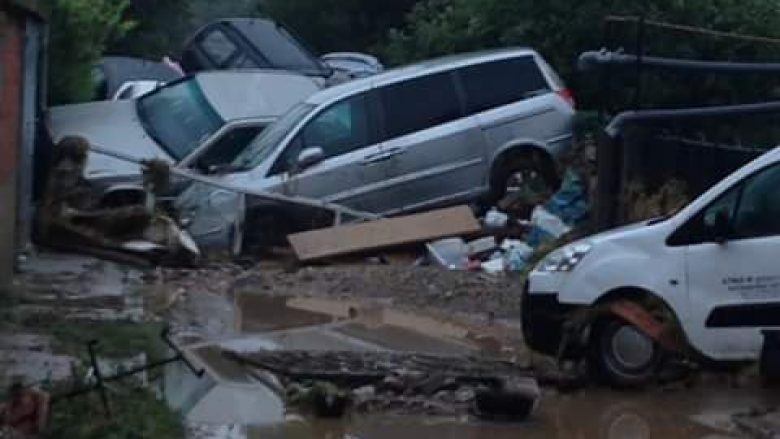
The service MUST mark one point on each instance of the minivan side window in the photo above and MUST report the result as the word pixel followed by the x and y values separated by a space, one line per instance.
pixel 342 128
pixel 419 104
pixel 494 84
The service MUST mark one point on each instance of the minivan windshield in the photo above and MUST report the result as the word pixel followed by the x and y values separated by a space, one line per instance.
pixel 267 142
pixel 178 117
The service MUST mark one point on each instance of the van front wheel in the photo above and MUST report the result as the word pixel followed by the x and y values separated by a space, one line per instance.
pixel 621 355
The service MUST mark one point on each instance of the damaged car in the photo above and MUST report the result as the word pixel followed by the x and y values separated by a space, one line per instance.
pixel 703 282
pixel 199 122
pixel 438 133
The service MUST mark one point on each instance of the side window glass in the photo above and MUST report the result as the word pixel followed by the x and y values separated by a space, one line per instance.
pixel 726 204
pixel 218 47
pixel 228 147
pixel 758 213
pixel 503 82
pixel 419 104
pixel 342 128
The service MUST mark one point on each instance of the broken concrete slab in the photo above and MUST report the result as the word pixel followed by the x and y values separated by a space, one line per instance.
pixel 384 233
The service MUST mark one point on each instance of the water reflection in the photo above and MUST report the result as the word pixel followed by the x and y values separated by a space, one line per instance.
pixel 589 415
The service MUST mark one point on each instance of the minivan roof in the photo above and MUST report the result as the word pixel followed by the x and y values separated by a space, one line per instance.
pixel 417 69
pixel 242 94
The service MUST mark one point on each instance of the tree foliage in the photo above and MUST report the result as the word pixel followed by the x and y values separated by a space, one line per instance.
pixel 80 31
pixel 561 29
pixel 339 25
pixel 162 28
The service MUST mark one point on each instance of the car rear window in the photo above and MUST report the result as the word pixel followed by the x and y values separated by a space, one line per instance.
pixel 218 47
pixel 494 84
pixel 419 104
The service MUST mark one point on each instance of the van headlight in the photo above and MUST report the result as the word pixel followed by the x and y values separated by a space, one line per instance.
pixel 566 259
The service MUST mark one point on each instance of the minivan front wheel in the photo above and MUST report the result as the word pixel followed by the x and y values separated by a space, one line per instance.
pixel 621 355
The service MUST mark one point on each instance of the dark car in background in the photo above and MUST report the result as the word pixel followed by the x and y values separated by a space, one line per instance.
pixel 241 43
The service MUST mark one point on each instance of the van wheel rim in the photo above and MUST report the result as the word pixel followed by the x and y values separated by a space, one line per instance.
pixel 631 348
pixel 522 180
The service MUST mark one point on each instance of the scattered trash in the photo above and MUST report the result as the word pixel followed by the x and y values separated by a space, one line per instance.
pixel 513 400
pixel 517 256
pixel 495 218
pixel 546 227
pixel 481 246
pixel 450 253
pixel 494 266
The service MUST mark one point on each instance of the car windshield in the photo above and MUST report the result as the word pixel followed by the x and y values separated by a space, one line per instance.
pixel 178 117
pixel 266 143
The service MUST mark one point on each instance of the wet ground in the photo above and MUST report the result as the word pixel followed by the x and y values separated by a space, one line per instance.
pixel 592 414
pixel 374 308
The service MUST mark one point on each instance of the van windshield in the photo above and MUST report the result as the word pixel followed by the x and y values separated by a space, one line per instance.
pixel 267 142
pixel 178 117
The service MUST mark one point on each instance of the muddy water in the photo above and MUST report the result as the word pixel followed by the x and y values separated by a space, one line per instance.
pixel 588 415
pixel 701 412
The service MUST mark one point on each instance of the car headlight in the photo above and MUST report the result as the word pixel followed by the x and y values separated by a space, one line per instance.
pixel 565 259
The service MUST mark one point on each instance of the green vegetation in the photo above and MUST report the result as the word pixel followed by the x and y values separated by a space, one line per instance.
pixel 137 414
pixel 80 31
pixel 561 30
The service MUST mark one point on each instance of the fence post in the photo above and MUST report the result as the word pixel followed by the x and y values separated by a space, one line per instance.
pixel 608 163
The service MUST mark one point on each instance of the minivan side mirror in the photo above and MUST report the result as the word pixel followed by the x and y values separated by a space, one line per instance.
pixel 720 229
pixel 309 157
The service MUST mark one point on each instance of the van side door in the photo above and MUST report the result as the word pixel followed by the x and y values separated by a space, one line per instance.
pixel 435 152
pixel 350 171
pixel 733 270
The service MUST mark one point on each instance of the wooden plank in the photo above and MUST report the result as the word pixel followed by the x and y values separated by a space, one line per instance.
pixel 384 233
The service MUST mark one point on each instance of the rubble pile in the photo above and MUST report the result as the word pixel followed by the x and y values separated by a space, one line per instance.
pixel 395 382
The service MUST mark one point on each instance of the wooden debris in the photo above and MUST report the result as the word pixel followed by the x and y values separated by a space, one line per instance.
pixel 384 233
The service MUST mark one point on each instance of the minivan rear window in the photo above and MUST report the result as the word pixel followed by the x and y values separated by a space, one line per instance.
pixel 499 83
pixel 419 104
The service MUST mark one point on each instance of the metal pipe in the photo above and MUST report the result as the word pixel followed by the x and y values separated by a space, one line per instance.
pixel 615 127
pixel 303 201
pixel 593 59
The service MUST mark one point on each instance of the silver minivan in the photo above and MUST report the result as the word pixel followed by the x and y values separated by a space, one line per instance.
pixel 439 132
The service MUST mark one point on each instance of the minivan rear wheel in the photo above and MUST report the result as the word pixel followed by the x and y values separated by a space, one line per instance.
pixel 532 173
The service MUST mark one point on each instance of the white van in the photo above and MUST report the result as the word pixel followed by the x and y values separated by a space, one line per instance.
pixel 714 266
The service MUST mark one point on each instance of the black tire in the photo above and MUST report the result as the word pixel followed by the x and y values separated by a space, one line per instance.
pixel 635 366
pixel 535 164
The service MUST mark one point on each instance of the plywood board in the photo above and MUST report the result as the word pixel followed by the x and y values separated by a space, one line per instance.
pixel 384 233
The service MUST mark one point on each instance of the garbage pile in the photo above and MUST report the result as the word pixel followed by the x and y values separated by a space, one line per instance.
pixel 558 218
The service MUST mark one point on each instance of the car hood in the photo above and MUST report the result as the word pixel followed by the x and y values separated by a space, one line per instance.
pixel 110 125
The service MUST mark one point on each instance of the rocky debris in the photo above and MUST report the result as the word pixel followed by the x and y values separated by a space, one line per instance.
pixel 418 287
pixel 397 382
pixel 759 423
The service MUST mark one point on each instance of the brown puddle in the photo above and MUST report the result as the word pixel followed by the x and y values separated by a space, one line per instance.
pixel 376 324
pixel 594 414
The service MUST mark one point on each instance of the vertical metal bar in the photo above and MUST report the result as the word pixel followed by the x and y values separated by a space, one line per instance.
pixel 640 51
pixel 30 83
pixel 605 74
pixel 99 377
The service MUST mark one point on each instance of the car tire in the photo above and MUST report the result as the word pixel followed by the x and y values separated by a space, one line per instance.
pixel 518 170
pixel 620 355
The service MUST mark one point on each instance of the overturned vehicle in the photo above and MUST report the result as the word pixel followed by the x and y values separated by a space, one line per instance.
pixel 374 146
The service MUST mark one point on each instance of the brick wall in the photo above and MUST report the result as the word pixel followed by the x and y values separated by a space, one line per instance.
pixel 11 55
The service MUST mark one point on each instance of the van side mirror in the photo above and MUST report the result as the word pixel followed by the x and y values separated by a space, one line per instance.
pixel 309 157
pixel 720 229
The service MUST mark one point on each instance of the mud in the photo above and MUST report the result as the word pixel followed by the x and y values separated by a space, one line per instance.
pixel 594 414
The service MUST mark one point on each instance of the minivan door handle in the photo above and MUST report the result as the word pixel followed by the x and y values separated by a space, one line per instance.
pixel 384 155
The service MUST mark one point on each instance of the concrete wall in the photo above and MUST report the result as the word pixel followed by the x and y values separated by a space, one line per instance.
pixel 11 56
